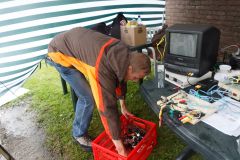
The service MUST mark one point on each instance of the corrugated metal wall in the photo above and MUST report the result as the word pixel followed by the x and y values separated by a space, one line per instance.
pixel 27 26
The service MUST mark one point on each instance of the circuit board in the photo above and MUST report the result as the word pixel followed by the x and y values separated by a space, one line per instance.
pixel 234 90
pixel 233 86
pixel 191 108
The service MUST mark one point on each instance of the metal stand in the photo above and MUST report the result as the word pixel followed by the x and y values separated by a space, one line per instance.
pixel 73 94
pixel 186 154
pixel 64 86
pixel 5 154
pixel 74 99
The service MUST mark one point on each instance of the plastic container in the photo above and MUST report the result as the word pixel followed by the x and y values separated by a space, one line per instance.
pixel 139 20
pixel 225 68
pixel 223 73
pixel 104 149
pixel 160 76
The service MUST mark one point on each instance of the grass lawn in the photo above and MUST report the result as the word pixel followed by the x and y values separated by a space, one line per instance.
pixel 55 115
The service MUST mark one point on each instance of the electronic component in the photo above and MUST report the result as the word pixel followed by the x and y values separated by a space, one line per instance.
pixel 133 136
pixel 184 81
pixel 234 89
pixel 206 84
pixel 191 48
pixel 187 108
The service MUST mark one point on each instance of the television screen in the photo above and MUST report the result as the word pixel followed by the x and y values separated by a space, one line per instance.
pixel 183 44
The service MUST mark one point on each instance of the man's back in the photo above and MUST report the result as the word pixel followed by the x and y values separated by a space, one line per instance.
pixel 80 43
pixel 85 45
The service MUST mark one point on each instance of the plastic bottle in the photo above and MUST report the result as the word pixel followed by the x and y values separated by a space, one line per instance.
pixel 139 21
pixel 133 23
pixel 160 76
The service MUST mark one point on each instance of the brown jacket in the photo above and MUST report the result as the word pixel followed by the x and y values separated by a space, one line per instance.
pixel 104 62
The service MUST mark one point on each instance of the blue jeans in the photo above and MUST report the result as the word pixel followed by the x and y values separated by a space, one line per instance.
pixel 85 103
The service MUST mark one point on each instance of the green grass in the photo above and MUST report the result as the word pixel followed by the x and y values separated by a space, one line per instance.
pixel 55 115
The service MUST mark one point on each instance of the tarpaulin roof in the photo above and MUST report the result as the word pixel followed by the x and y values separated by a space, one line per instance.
pixel 26 28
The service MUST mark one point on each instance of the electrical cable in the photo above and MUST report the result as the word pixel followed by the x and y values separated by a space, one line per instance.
pixel 188 81
pixel 163 39
pixel 208 95
pixel 188 76
pixel 225 53
pixel 223 49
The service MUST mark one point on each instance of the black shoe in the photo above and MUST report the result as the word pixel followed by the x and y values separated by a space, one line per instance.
pixel 85 142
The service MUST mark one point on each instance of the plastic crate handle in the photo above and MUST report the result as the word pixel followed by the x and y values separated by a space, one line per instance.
pixel 141 148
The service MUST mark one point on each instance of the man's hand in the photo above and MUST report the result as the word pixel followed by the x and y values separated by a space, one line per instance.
pixel 124 110
pixel 120 148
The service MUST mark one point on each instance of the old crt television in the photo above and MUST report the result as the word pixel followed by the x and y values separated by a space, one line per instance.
pixel 191 48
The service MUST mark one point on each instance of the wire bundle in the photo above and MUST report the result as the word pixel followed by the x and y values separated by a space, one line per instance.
pixel 162 40
pixel 209 94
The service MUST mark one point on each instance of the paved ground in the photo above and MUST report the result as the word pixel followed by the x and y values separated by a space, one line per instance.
pixel 20 134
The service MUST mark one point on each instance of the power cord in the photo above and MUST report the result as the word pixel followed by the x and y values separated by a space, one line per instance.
pixel 208 95
pixel 188 76
pixel 162 40
pixel 238 48
pixel 223 50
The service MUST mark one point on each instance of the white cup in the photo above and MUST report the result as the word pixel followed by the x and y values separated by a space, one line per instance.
pixel 225 68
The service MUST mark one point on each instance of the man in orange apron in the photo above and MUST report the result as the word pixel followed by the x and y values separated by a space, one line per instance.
pixel 97 67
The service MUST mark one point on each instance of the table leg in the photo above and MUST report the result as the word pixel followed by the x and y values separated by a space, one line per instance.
pixel 5 154
pixel 186 154
pixel 74 99
pixel 64 86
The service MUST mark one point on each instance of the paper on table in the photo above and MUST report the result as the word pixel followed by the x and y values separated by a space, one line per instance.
pixel 227 118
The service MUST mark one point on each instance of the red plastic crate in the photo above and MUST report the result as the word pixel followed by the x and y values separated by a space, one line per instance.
pixel 104 149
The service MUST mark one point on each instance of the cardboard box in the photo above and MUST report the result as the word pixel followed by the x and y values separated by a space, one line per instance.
pixel 134 36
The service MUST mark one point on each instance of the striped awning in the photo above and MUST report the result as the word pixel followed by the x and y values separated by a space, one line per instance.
pixel 27 26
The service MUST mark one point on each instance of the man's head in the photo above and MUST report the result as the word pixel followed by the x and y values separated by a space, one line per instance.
pixel 139 67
